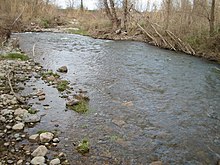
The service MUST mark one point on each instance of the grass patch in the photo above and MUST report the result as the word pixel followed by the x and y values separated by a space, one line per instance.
pixel 82 107
pixel 49 73
pixel 62 85
pixel 83 146
pixel 15 56
pixel 77 31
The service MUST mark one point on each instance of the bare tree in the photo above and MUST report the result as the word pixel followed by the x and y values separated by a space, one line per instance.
pixel 111 13
pixel 70 3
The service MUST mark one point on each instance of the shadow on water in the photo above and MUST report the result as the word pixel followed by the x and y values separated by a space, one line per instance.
pixel 146 104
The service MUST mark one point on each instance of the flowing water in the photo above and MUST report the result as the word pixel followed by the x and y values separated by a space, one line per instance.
pixel 146 104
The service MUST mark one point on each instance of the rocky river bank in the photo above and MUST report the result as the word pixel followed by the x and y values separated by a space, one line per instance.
pixel 17 115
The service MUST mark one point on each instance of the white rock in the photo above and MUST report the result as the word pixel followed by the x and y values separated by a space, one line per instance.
pixel 34 137
pixel 39 160
pixel 19 162
pixel 40 151
pixel 55 161
pixel 18 126
pixel 46 137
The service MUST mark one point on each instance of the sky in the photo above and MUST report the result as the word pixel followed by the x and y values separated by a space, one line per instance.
pixel 92 4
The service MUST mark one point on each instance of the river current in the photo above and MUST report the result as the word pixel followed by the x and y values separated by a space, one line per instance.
pixel 146 103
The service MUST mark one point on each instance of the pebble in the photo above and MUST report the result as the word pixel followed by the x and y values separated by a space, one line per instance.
pixel 55 161
pixel 20 162
pixel 18 126
pixel 156 163
pixel 6 144
pixel 42 97
pixel 34 137
pixel 56 140
pixel 10 161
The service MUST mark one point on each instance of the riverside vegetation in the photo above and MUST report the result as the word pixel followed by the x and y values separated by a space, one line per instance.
pixel 191 27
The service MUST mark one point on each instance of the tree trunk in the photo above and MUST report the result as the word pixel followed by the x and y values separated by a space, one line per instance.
pixel 81 5
pixel 212 19
pixel 168 3
pixel 111 13
pixel 125 7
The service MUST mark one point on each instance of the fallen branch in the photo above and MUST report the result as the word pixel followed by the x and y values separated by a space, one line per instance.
pixel 21 100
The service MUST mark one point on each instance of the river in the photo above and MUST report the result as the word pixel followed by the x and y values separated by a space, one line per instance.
pixel 146 103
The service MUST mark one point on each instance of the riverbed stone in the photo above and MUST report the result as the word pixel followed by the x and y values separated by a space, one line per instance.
pixel 62 69
pixel 46 137
pixel 18 126
pixel 42 97
pixel 20 112
pixel 55 161
pixel 156 163
pixel 39 160
pixel 72 102
pixel 31 118
pixel 40 93
pixel 34 137
pixel 118 122
pixel 40 151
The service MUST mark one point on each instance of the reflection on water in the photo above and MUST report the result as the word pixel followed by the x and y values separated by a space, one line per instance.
pixel 146 104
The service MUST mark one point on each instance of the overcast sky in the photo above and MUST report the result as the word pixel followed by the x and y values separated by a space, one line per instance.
pixel 92 4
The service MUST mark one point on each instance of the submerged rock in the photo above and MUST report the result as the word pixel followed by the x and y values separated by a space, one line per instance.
pixel 156 163
pixel 62 69
pixel 31 118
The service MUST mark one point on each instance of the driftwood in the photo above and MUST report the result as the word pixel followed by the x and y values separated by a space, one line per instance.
pixel 148 35
pixel 20 99
pixel 166 42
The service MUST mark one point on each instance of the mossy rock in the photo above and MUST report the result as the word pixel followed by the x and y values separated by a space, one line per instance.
pixel 81 107
pixel 15 56
pixel 62 85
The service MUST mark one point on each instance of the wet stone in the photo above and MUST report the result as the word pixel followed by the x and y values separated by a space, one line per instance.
pixel 62 69
pixel 38 160
pixel 55 161
pixel 18 126
pixel 40 151
pixel 34 137
pixel 46 137
pixel 10 161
